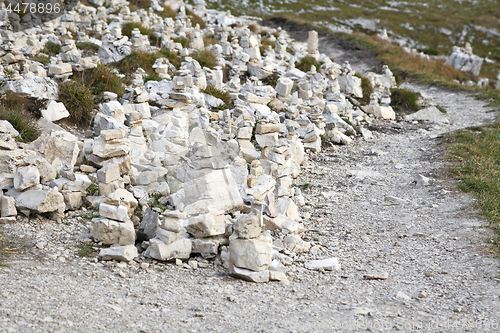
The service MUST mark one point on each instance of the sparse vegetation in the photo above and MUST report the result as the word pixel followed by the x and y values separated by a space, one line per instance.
pixel 265 42
pixel 167 12
pixel 78 100
pixel 475 154
pixel 86 249
pixel 404 99
pixel 306 63
pixel 367 89
pixel 145 60
pixel 182 40
pixel 101 79
pixel 135 5
pixel 87 48
pixel 18 111
pixel 205 58
pixel 128 27
pixel 7 247
pixel 51 48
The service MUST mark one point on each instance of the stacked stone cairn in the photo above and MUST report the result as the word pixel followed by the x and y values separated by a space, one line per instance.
pixel 171 171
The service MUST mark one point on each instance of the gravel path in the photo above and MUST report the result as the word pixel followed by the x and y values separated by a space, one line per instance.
pixel 363 208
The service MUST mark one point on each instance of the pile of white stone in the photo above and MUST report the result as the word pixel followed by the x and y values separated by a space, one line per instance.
pixel 464 60
pixel 203 179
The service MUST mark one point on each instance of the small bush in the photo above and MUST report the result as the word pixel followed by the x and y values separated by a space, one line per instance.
pixel 209 40
pixel 405 99
pixel 22 121
pixel 271 80
pixel 306 63
pixel 205 58
pixel 224 96
pixel 367 89
pixel 78 99
pixel 101 79
pixel 254 28
pixel 52 48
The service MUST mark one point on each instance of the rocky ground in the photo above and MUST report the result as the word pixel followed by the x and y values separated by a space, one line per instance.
pixel 423 244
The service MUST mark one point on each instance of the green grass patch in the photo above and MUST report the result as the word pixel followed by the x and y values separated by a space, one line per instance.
pixel 43 59
pixel 87 46
pixel 306 63
pixel 475 154
pixel 51 48
pixel 152 77
pixel 19 112
pixel 78 100
pixel 182 40
pixel 205 58
pixel 404 99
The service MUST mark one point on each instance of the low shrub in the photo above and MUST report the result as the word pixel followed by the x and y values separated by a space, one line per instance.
pixel 51 48
pixel 145 60
pixel 88 48
pixel 78 100
pixel 305 64
pixel 367 89
pixel 404 99
pixel 101 79
pixel 167 12
pixel 182 40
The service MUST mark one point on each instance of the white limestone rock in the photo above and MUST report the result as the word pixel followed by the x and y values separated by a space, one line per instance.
pixel 330 264
pixel 253 254
pixel 249 275
pixel 111 232
pixel 206 225
pixel 180 249
pixel 26 177
pixel 118 213
pixel 8 206
pixel 119 253
pixel 428 114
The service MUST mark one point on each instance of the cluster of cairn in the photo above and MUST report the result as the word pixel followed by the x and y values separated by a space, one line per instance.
pixel 204 178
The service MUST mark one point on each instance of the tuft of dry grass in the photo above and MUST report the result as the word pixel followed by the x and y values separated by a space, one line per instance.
pixel 205 58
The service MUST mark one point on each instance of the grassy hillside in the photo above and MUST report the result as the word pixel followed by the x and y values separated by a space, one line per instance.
pixel 433 26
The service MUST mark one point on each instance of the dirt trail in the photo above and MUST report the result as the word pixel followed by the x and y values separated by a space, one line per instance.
pixel 365 210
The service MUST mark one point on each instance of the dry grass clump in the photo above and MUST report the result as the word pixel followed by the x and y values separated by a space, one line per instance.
pixel 205 58
pixel 78 100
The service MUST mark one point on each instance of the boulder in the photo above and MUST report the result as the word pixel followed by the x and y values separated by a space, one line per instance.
pixel 206 225
pixel 253 254
pixel 118 213
pixel 55 111
pixel 56 151
pixel 111 232
pixel 120 253
pixel 26 177
pixel 180 249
